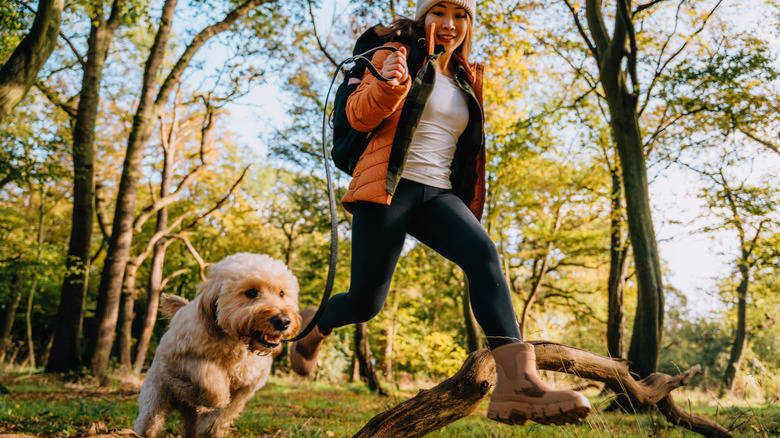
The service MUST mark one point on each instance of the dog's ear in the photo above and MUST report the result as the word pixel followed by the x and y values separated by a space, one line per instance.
pixel 207 308
pixel 170 304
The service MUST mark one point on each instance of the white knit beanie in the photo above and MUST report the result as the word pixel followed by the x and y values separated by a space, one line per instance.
pixel 424 5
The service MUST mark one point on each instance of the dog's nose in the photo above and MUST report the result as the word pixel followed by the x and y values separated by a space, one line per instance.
pixel 280 322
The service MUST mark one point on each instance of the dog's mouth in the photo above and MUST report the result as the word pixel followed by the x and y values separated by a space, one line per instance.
pixel 266 340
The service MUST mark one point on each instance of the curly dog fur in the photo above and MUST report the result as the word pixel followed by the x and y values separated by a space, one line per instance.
pixel 219 348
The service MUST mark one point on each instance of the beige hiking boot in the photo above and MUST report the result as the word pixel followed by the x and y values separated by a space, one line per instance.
pixel 520 395
pixel 303 353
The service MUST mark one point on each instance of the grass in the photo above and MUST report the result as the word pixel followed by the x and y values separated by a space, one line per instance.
pixel 45 406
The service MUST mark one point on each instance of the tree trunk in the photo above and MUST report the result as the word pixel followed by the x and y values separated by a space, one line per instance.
pixel 365 360
pixel 28 319
pixel 47 350
pixel 648 321
pixel 112 277
pixel 18 74
pixel 618 256
pixel 740 332
pixel 622 101
pixel 125 324
pixel 66 351
pixel 387 349
pixel 149 107
pixel 152 305
pixel 17 285
pixel 169 141
pixel 472 327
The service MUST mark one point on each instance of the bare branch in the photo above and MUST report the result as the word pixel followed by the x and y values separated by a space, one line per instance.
pixel 156 238
pixel 197 42
pixel 640 8
pixel 167 200
pixel 193 251
pixel 665 64
pixel 575 15
pixel 173 275
pixel 317 37
pixel 775 148
pixel 218 204
pixel 69 109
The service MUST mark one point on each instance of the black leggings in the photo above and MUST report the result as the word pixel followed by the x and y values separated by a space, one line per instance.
pixel 439 219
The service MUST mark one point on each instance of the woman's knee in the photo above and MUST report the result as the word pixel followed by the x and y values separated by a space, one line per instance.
pixel 363 307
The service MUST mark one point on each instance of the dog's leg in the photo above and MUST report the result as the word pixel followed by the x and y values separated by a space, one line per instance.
pixel 201 383
pixel 216 423
pixel 188 418
pixel 154 407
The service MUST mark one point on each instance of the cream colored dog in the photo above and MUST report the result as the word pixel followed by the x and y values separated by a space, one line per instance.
pixel 218 350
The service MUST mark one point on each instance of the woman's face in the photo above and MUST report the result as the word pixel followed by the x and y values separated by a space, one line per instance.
pixel 451 25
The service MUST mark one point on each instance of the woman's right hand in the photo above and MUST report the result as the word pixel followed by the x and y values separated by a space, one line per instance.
pixel 395 67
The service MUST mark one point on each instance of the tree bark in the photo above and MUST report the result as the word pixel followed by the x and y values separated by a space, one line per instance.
pixel 66 348
pixel 472 327
pixel 618 256
pixel 17 286
pixel 112 276
pixel 18 74
pixel 28 320
pixel 433 409
pixel 387 349
pixel 364 358
pixel 622 101
pixel 740 331
pixel 126 316
pixel 459 395
pixel 149 108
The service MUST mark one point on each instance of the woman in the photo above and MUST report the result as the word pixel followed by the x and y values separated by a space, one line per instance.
pixel 423 174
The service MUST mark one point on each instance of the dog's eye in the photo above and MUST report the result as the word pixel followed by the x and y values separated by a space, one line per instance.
pixel 251 293
pixel 281 293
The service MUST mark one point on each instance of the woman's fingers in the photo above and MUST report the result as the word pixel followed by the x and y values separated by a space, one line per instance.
pixel 395 67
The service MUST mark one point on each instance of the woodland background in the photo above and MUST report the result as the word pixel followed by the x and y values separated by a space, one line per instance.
pixel 125 169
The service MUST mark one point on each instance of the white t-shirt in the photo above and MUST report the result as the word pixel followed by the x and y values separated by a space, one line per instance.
pixel 444 119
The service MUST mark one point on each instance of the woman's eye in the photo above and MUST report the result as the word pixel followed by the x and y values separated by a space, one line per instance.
pixel 251 293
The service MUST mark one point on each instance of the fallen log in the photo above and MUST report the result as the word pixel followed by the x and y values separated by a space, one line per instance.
pixel 439 406
pixel 459 395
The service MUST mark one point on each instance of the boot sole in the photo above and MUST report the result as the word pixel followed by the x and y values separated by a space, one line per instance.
pixel 511 413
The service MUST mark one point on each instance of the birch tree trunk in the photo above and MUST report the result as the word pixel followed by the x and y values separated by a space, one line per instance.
pixel 18 74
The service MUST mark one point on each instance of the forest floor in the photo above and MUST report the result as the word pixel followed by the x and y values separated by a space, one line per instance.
pixel 46 405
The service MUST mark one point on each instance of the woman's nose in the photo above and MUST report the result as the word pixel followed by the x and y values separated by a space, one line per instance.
pixel 449 23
